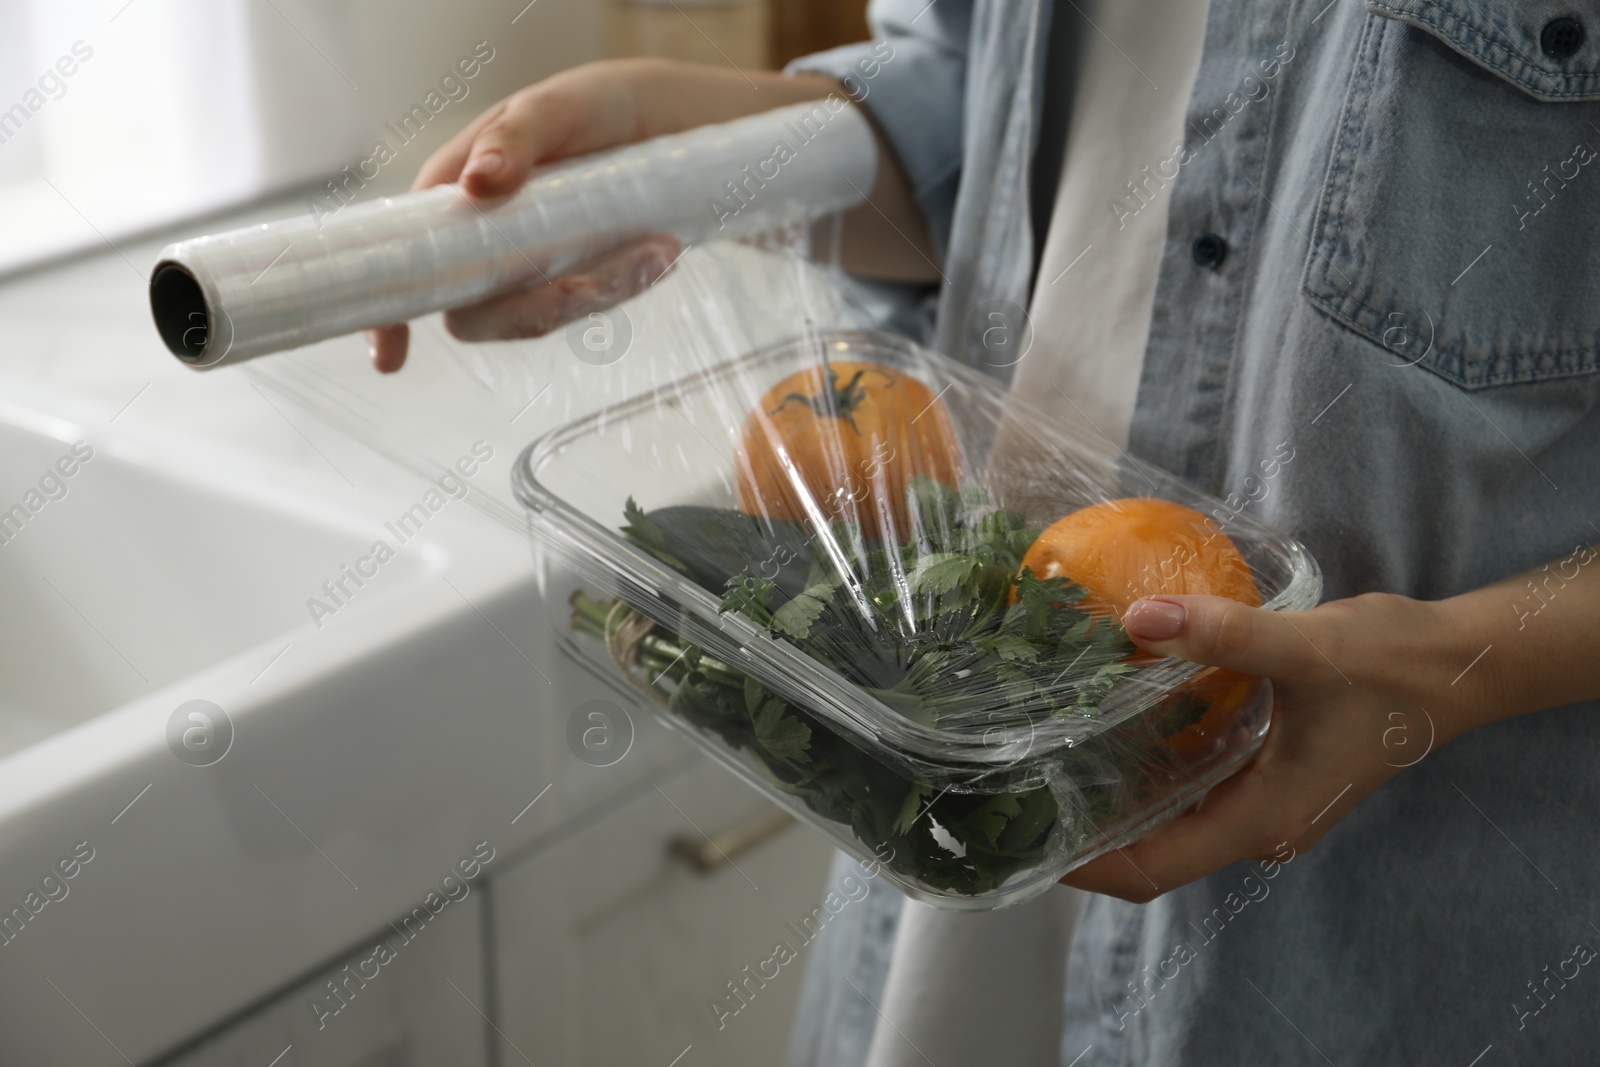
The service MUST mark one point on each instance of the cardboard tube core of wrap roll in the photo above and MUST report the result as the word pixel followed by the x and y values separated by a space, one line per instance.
pixel 179 307
pixel 229 297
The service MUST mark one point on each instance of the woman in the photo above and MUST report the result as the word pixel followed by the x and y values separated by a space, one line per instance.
pixel 1333 264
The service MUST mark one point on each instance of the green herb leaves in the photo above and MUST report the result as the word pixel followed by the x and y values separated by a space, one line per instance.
pixel 795 617
pixel 643 529
pixel 748 596
pixel 783 736
pixel 945 629
pixel 945 632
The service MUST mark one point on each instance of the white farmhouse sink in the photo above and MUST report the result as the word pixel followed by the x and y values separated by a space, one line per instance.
pixel 128 578
pixel 368 753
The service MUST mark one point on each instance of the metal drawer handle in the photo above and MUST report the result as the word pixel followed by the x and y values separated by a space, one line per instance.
pixel 707 855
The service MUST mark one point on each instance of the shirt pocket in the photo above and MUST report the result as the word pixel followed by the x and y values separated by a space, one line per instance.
pixel 1457 225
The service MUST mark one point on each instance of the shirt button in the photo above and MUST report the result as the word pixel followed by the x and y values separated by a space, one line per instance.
pixel 1561 37
pixel 1210 250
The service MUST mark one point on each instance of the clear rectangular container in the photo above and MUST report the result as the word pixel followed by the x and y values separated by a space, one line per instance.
pixel 924 708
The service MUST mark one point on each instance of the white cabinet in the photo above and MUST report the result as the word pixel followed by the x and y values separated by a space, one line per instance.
pixel 608 949
pixel 421 1007
pixel 601 946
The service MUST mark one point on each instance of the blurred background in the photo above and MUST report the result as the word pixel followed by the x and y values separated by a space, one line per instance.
pixel 264 797
pixel 126 115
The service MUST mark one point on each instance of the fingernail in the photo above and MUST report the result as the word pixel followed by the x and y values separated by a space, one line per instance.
pixel 1154 620
pixel 485 163
pixel 372 350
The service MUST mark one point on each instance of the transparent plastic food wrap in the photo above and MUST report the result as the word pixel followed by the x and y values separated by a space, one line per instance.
pixel 872 580
pixel 885 590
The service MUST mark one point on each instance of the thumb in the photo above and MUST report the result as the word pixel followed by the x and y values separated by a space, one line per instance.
pixel 543 123
pixel 1220 633
pixel 503 153
pixel 494 156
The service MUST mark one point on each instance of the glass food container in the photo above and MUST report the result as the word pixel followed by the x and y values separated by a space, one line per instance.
pixel 843 566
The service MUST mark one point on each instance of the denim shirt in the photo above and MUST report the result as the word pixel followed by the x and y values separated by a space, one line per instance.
pixel 1397 362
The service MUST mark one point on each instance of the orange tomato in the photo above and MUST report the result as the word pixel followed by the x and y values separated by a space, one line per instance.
pixel 1227 693
pixel 843 441
pixel 1123 550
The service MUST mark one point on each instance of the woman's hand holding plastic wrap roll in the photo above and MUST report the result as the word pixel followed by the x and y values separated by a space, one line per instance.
pixel 603 105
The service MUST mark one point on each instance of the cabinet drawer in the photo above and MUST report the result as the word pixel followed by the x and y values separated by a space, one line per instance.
pixel 611 945
pixel 415 1010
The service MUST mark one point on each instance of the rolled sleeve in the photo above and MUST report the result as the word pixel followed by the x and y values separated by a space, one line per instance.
pixel 911 79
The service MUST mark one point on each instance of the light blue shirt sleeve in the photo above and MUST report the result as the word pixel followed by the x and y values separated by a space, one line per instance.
pixel 911 79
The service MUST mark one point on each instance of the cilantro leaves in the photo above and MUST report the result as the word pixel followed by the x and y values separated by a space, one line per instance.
pixel 643 529
pixel 945 631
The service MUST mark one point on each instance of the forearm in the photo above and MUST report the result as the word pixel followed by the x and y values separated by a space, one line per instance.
pixel 885 238
pixel 1520 645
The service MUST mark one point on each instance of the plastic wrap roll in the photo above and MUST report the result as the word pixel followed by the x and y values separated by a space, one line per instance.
pixel 250 292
